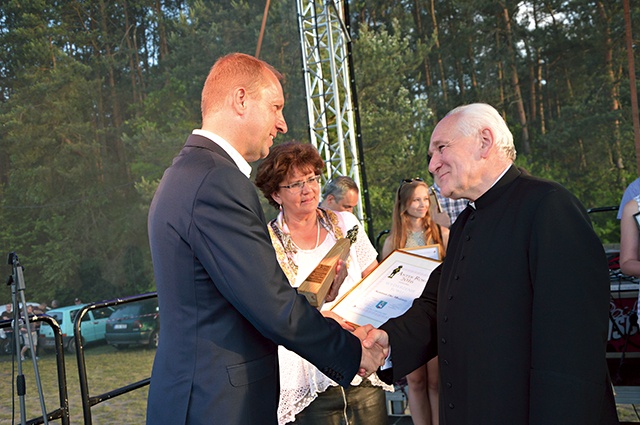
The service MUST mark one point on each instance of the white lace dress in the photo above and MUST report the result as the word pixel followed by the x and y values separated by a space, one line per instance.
pixel 300 381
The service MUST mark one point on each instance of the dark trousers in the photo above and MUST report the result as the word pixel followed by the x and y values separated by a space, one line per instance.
pixel 361 405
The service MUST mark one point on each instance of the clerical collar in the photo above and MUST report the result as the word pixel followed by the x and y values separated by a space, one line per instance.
pixel 473 203
pixel 242 164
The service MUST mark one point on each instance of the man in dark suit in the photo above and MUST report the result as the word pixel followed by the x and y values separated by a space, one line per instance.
pixel 518 311
pixel 225 303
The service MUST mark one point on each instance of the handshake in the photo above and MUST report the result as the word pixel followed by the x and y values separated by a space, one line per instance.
pixel 375 344
pixel 375 348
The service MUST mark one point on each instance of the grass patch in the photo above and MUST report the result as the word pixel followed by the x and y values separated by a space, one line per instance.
pixel 107 369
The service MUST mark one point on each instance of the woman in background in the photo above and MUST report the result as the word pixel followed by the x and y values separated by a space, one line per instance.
pixel 413 226
pixel 302 234
pixel 629 235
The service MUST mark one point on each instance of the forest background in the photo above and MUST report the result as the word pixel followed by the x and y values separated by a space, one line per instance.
pixel 97 97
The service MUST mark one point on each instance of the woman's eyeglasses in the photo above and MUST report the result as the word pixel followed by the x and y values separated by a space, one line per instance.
pixel 407 181
pixel 298 186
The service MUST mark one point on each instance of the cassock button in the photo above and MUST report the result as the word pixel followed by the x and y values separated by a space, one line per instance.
pixel 473 217
pixel 450 297
pixel 445 362
pixel 446 318
pixel 449 385
pixel 468 237
pixel 451 406
pixel 456 277
pixel 443 340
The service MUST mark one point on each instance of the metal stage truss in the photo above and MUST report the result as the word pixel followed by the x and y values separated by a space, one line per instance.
pixel 331 96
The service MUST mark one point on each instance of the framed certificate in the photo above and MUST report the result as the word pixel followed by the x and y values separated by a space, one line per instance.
pixel 429 251
pixel 388 291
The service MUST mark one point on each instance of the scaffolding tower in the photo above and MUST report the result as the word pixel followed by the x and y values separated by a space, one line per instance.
pixel 334 125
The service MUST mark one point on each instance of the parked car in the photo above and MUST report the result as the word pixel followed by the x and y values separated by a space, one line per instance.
pixel 136 323
pixel 93 326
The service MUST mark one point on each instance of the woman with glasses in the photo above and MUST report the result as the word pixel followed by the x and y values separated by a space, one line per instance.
pixel 302 234
pixel 413 226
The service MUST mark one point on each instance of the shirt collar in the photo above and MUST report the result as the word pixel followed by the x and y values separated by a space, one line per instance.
pixel 242 164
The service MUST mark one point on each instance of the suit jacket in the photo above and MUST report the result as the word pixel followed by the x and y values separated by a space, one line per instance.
pixel 521 306
pixel 224 302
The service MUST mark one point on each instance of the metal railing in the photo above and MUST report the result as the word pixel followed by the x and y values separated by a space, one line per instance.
pixel 61 412
pixel 89 401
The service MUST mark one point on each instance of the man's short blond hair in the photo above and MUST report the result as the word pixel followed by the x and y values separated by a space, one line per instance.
pixel 230 72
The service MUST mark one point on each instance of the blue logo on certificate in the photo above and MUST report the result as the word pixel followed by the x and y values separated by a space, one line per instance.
pixel 381 304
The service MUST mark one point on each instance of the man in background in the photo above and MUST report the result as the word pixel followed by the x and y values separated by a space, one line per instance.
pixel 340 194
pixel 450 208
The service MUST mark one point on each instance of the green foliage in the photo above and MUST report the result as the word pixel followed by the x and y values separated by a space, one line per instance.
pixel 159 130
pixel 395 124
pixel 97 98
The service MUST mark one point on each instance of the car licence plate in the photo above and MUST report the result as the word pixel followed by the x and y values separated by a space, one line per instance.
pixel 120 326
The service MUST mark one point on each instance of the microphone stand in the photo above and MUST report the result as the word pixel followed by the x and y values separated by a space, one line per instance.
pixel 16 280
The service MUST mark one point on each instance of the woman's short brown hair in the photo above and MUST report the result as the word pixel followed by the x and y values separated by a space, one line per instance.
pixel 281 161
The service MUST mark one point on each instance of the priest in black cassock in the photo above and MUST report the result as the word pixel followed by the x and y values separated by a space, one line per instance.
pixel 518 311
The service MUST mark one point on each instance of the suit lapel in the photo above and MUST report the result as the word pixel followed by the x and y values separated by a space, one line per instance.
pixel 200 142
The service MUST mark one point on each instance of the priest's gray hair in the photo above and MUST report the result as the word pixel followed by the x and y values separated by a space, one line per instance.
pixel 473 118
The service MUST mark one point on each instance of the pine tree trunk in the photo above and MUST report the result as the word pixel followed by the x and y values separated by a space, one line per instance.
pixel 114 146
pixel 443 79
pixel 515 83
pixel 614 87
